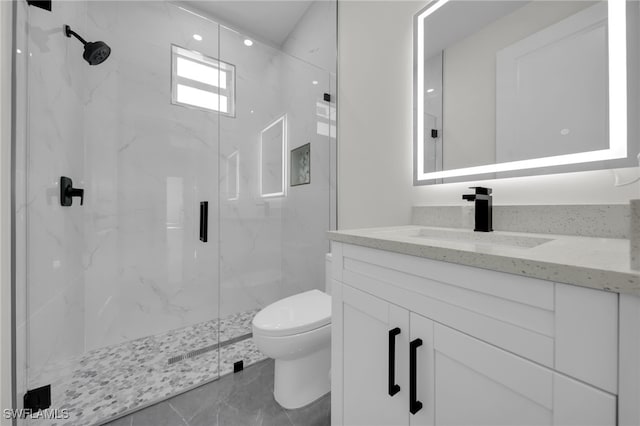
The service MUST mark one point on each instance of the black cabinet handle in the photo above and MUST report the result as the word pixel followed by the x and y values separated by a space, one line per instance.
pixel 393 387
pixel 414 404
pixel 204 220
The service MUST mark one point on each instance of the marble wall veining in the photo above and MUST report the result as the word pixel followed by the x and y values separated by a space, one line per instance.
pixel 273 247
pixel 250 227
pixel 151 164
pixel 306 209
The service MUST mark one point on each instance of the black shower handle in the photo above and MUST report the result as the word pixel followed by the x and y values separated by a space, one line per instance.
pixel 67 192
pixel 204 221
pixel 76 192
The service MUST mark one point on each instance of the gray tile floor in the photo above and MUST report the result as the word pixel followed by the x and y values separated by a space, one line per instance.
pixel 240 399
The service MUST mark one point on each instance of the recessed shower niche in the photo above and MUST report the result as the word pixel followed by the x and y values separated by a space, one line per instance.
pixel 301 165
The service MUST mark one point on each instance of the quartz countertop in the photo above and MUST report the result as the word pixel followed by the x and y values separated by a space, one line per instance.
pixel 599 263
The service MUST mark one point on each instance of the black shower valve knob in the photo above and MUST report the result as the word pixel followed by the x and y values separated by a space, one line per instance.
pixel 67 192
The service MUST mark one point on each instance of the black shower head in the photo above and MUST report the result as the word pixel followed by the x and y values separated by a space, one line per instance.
pixel 95 52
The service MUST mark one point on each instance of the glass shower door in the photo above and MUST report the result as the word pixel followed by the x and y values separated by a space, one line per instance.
pixel 121 288
pixel 126 299
pixel 275 186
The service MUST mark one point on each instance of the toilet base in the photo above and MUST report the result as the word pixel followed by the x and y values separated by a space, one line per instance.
pixel 301 381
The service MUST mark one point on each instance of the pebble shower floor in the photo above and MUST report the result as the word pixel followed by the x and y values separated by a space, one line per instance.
pixel 111 381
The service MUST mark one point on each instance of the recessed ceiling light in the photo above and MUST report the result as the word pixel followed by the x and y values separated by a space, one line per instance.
pixel 314 82
pixel 251 111
pixel 430 90
pixel 197 37
pixel 248 42
pixel 18 50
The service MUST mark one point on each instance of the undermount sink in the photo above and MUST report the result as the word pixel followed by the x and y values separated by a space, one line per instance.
pixel 468 236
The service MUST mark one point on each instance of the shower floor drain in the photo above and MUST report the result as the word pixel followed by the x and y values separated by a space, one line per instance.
pixel 209 348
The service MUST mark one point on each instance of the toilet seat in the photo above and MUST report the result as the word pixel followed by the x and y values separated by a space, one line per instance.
pixel 294 315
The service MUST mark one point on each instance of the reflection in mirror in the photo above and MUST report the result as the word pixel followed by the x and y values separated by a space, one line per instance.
pixel 568 58
pixel 273 148
pixel 506 86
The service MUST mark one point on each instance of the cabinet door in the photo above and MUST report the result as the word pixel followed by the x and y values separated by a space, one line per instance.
pixel 578 404
pixel 479 384
pixel 367 351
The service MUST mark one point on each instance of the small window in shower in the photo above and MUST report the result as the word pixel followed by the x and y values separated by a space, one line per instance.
pixel 202 82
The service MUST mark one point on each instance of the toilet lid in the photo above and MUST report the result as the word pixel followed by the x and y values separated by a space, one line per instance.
pixel 295 314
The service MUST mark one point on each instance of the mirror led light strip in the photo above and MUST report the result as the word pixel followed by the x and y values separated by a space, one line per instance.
pixel 617 37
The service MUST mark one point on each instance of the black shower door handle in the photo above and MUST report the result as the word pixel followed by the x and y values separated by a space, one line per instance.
pixel 204 220
pixel 394 388
pixel 414 404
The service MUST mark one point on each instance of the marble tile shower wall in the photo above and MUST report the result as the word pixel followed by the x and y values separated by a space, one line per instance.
pixel 152 163
pixel 128 263
pixel 306 210
pixel 273 247
pixel 250 227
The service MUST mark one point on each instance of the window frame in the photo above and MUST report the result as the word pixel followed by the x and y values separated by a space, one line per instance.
pixel 229 92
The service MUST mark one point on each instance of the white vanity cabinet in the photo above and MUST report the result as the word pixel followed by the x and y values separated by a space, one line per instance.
pixel 489 348
pixel 479 384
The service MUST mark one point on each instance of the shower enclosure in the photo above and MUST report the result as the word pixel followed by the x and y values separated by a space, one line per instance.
pixel 189 222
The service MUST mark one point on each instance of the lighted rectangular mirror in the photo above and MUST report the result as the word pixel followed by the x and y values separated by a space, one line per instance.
pixel 515 88
pixel 273 151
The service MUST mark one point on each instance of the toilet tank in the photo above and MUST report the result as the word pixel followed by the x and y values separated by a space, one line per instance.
pixel 327 273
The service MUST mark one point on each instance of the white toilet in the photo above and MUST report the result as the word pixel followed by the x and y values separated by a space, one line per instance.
pixel 296 332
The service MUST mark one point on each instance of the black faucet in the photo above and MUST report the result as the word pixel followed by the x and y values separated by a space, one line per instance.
pixel 484 211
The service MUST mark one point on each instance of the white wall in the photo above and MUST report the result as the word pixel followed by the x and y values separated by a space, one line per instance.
pixel 374 113
pixel 5 214
pixel 314 37
pixel 375 130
